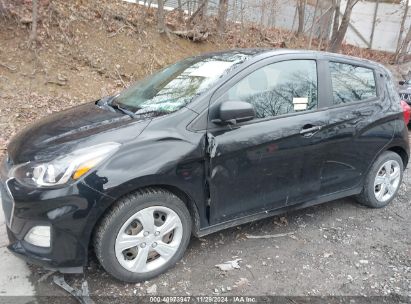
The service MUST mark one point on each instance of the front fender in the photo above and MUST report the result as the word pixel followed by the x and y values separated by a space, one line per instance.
pixel 172 162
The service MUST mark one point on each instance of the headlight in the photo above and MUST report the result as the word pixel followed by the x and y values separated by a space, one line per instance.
pixel 64 168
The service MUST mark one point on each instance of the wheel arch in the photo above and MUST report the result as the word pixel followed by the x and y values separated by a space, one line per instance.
pixel 401 152
pixel 188 201
pixel 182 195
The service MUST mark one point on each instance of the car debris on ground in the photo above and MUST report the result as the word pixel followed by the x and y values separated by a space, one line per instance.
pixel 229 265
pixel 83 295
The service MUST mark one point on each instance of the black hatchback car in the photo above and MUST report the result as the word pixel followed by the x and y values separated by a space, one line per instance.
pixel 205 144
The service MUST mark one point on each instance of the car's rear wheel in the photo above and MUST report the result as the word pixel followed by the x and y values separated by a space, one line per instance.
pixel 383 181
pixel 145 234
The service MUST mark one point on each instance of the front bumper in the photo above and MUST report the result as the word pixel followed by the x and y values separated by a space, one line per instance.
pixel 71 212
pixel 34 255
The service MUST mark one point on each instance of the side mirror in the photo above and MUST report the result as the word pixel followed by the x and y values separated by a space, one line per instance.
pixel 402 82
pixel 231 112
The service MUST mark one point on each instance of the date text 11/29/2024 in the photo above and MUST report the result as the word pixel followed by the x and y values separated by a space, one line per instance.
pixel 203 299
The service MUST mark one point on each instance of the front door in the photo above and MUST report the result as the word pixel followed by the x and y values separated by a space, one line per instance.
pixel 276 159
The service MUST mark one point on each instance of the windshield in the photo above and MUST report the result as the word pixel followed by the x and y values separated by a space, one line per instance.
pixel 177 85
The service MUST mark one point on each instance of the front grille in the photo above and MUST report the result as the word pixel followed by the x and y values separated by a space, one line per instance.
pixel 406 97
pixel 7 203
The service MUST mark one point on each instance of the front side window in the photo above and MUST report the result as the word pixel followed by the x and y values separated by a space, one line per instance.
pixel 351 83
pixel 279 88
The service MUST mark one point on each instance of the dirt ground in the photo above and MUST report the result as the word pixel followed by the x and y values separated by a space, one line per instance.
pixel 338 248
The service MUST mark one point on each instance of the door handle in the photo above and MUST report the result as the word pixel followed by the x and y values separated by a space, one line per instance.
pixel 309 130
pixel 363 113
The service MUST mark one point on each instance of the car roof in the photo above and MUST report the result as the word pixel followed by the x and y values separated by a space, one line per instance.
pixel 256 54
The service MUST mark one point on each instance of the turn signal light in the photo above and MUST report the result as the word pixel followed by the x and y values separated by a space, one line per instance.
pixel 85 167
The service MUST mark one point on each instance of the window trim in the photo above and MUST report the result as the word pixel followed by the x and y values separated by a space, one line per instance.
pixel 330 99
pixel 220 91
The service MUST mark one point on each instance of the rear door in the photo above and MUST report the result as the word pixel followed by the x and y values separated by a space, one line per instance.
pixel 360 125
pixel 276 159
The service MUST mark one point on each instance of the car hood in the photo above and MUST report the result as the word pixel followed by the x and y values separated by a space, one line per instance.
pixel 63 132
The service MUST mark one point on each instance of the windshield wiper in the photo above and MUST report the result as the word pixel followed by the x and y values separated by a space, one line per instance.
pixel 106 102
pixel 125 111
pixel 153 112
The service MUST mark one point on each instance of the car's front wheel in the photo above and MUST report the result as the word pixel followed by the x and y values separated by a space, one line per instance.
pixel 383 180
pixel 143 235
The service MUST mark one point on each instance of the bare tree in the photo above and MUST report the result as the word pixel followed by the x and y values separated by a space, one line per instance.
pixel 263 7
pixel 2 9
pixel 33 35
pixel 374 22
pixel 313 23
pixel 274 6
pixel 336 23
pixel 301 16
pixel 242 13
pixel 403 50
pixel 160 17
pixel 338 36
pixel 180 10
pixel 222 15
pixel 204 10
pixel 200 12
pixel 402 29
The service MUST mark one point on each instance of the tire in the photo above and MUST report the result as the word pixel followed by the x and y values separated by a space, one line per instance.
pixel 119 227
pixel 370 195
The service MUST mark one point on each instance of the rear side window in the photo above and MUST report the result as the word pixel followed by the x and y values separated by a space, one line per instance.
pixel 351 83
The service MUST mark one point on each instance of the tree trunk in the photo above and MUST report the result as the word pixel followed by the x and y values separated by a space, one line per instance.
pixel 374 22
pixel 180 11
pixel 273 15
pixel 160 17
pixel 222 15
pixel 301 15
pixel 33 35
pixel 200 12
pixel 402 27
pixel 312 25
pixel 336 22
pixel 242 9
pixel 2 9
pixel 204 10
pixel 263 16
pixel 337 40
pixel 404 47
